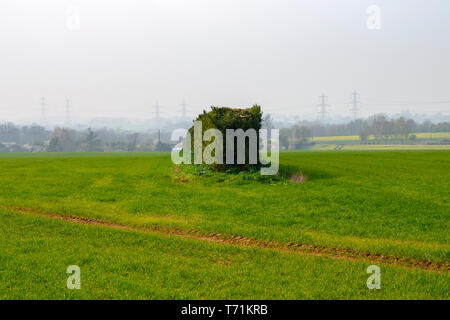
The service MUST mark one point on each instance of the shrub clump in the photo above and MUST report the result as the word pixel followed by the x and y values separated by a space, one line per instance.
pixel 223 118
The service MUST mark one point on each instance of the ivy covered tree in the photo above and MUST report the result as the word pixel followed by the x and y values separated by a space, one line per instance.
pixel 223 118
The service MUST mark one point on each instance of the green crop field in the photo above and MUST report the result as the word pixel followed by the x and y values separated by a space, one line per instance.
pixel 340 147
pixel 356 138
pixel 140 227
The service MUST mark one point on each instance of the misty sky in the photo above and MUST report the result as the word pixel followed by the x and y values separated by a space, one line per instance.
pixel 281 54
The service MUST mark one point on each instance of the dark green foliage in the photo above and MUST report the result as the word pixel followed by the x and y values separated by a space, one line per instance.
pixel 54 145
pixel 230 176
pixel 91 143
pixel 223 118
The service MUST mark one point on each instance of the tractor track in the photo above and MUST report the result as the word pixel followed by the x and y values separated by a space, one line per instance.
pixel 308 249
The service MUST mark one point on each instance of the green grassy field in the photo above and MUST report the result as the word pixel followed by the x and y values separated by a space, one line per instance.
pixel 168 234
pixel 356 138
pixel 368 147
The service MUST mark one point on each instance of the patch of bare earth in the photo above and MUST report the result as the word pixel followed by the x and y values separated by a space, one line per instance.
pixel 311 249
pixel 178 176
pixel 298 178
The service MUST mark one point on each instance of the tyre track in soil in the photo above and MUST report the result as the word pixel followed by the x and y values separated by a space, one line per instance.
pixel 307 249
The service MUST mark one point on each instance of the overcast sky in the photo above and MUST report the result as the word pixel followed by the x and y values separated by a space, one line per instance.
pixel 121 57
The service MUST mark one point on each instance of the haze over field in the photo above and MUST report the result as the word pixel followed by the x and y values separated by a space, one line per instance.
pixel 224 150
pixel 117 58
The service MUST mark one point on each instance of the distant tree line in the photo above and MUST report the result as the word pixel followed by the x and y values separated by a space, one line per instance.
pixel 36 138
pixel 378 128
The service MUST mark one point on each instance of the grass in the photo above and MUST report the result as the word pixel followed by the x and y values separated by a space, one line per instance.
pixel 387 202
pixel 433 135
pixel 35 252
pixel 337 138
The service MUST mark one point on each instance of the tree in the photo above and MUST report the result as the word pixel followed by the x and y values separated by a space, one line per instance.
pixel 132 141
pixel 364 133
pixel 284 138
pixel 379 124
pixel 410 127
pixel 54 145
pixel 91 142
pixel 400 128
pixel 63 140
pixel 223 118
pixel 9 133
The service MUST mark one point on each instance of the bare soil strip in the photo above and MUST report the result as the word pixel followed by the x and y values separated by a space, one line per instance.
pixel 311 249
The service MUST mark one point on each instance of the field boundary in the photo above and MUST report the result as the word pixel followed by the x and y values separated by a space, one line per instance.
pixel 242 241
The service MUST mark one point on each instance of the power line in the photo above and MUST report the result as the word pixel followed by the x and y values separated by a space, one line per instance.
pixel 67 112
pixel 43 114
pixel 355 102
pixel 183 109
pixel 323 107
pixel 157 111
